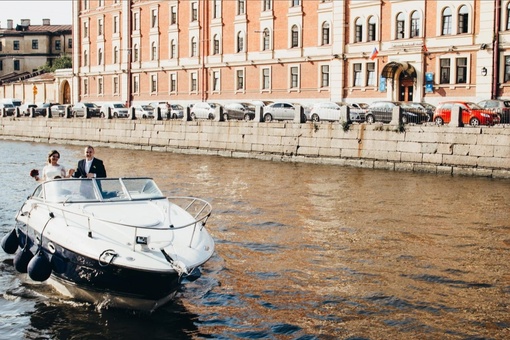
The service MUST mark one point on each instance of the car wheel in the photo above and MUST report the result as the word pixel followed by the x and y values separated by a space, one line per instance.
pixel 370 119
pixel 268 117
pixel 225 116
pixel 115 115
pixel 315 117
pixel 405 119
pixel 247 117
pixel 193 117
pixel 474 122
pixel 174 116
pixel 439 121
pixel 144 116
pixel 211 116
pixel 102 115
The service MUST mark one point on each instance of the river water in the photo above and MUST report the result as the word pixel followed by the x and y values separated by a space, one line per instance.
pixel 303 251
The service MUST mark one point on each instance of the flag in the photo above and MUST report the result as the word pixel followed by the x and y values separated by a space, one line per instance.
pixel 374 54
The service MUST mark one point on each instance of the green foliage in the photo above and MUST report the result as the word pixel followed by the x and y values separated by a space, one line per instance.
pixel 64 61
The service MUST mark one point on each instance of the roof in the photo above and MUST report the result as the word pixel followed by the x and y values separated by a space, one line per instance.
pixel 37 29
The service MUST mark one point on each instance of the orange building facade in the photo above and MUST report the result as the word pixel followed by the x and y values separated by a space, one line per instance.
pixel 183 51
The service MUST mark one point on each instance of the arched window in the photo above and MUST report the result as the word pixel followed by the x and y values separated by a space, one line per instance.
pixel 446 24
pixel 266 44
pixel 325 34
pixel 371 29
pixel 400 26
pixel 358 30
pixel 240 42
pixel 415 24
pixel 294 36
pixel 463 20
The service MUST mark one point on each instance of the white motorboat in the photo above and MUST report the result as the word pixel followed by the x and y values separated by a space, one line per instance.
pixel 115 242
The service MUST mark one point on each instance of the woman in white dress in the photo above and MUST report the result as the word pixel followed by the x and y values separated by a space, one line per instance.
pixel 52 169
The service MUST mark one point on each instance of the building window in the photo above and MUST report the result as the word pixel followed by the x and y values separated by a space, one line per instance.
pixel 267 5
pixel 400 25
pixel 266 80
pixel 15 45
pixel 85 30
pixel 154 51
pixel 325 76
pixel 35 44
pixel 294 77
pixel 154 18
pixel 358 30
pixel 85 58
pixel 173 82
pixel 194 11
pixel 100 27
pixel 371 29
pixel 100 57
pixel 463 19
pixel 415 24
pixel 100 90
pixel 115 24
pixel 241 7
pixel 136 21
pixel 295 3
pixel 85 87
pixel 240 80
pixel 446 22
pixel 444 71
pixel 135 53
pixel 154 83
pixel 136 84
pixel 115 55
pixel 325 34
pixel 216 9
pixel 69 43
pixel 193 47
pixel 58 45
pixel 370 74
pixel 216 44
pixel 357 74
pixel 508 16
pixel 461 70
pixel 173 50
pixel 193 82
pixel 240 42
pixel 116 85
pixel 294 36
pixel 85 4
pixel 266 40
pixel 173 15
pixel 216 81
pixel 16 65
pixel 507 69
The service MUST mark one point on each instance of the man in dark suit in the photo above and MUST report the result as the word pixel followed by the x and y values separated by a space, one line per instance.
pixel 90 167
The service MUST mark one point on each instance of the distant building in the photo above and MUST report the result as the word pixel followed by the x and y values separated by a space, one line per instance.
pixel 297 50
pixel 25 47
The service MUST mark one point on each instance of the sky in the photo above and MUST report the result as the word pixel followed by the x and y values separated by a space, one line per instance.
pixel 58 11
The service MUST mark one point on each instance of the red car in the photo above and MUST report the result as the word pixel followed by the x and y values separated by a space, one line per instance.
pixel 472 114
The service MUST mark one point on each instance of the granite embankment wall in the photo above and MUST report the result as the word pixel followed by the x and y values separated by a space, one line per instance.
pixel 481 151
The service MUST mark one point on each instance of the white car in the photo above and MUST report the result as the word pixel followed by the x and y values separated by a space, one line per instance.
pixel 118 110
pixel 164 107
pixel 204 110
pixel 279 111
pixel 176 111
pixel 144 111
pixel 330 111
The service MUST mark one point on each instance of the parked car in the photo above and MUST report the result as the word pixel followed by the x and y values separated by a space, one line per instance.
pixel 279 111
pixel 238 111
pixel 78 110
pixel 144 111
pixel 24 109
pixel 500 106
pixel 41 109
pixel 59 110
pixel 204 110
pixel 429 109
pixel 176 111
pixel 10 109
pixel 472 113
pixel 118 110
pixel 330 111
pixel 382 111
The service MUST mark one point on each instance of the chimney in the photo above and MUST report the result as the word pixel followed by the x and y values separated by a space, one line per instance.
pixel 46 22
pixel 25 22
pixel 9 24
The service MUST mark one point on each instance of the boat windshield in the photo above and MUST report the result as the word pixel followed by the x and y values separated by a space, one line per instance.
pixel 104 189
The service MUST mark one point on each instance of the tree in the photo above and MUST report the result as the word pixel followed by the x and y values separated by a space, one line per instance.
pixel 64 61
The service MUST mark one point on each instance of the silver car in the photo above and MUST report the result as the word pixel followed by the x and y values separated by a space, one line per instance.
pixel 279 111
pixel 144 111
pixel 204 110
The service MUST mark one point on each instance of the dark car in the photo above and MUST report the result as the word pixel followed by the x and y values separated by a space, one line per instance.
pixel 425 107
pixel 500 106
pixel 41 110
pixel 78 110
pixel 238 111
pixel 382 111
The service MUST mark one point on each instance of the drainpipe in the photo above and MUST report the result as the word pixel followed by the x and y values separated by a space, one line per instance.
pixel 495 50
pixel 129 53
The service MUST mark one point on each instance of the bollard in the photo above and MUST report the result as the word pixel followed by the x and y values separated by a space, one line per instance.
pixel 68 112
pixel 299 114
pixel 4 113
pixel 396 116
pixel 186 116
pixel 157 114
pixel 48 112
pixel 218 114
pixel 345 114
pixel 32 112
pixel 258 114
pixel 456 116
pixel 132 113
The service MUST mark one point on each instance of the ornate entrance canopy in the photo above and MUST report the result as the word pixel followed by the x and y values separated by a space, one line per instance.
pixel 393 67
